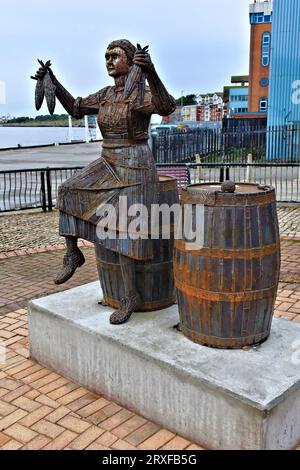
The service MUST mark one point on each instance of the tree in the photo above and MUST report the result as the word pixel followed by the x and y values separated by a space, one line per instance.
pixel 186 100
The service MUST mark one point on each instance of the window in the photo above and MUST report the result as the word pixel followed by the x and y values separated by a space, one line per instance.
pixel 239 110
pixel 264 82
pixel 263 104
pixel 265 49
pixel 259 18
pixel 239 98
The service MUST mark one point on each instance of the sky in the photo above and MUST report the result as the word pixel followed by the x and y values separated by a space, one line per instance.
pixel 196 45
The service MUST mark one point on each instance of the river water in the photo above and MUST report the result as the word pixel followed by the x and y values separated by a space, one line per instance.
pixel 26 136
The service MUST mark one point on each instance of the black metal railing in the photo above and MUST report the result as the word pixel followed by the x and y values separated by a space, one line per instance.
pixel 273 143
pixel 38 187
pixel 284 177
pixel 33 188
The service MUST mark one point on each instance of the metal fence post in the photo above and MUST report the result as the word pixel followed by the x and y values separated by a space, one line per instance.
pixel 227 173
pixel 49 189
pixel 248 171
pixel 198 171
pixel 43 191
pixel 221 174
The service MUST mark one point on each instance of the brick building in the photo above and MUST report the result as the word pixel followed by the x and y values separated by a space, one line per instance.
pixel 260 52
pixel 210 107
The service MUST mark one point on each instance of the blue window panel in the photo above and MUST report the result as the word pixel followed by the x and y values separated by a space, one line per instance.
pixel 259 18
pixel 265 61
pixel 265 49
pixel 263 104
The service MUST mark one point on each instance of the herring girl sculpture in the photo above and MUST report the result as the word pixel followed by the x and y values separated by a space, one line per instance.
pixel 125 168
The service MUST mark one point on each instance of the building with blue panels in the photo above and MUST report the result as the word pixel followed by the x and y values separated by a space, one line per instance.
pixel 236 96
pixel 284 92
pixel 237 100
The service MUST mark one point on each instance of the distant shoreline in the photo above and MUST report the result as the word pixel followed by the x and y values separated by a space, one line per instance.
pixel 61 144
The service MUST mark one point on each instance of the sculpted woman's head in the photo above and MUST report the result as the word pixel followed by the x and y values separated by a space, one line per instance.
pixel 119 56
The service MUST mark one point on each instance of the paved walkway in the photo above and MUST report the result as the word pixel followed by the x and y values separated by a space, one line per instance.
pixel 40 409
pixel 55 156
pixel 289 221
pixel 25 277
pixel 30 229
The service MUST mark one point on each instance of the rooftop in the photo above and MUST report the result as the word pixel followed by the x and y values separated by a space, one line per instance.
pixel 240 79
pixel 265 7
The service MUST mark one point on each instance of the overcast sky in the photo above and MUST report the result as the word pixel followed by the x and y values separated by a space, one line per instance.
pixel 196 45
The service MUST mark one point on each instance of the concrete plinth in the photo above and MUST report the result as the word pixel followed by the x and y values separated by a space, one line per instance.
pixel 222 399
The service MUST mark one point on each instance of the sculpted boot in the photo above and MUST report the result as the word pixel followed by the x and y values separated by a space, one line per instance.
pixel 73 259
pixel 131 302
pixel 127 306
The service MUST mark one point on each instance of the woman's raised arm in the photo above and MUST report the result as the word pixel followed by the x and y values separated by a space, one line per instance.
pixel 78 107
pixel 163 102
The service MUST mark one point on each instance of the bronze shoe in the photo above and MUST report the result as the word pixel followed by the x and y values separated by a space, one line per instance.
pixel 127 306
pixel 71 262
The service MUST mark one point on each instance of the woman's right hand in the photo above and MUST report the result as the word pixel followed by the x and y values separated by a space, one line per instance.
pixel 41 72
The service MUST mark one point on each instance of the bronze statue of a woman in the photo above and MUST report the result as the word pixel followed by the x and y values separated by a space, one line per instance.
pixel 125 168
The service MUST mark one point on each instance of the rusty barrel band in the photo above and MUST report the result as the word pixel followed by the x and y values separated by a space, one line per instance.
pixel 152 267
pixel 226 253
pixel 243 296
pixel 218 341
pixel 228 199
pixel 145 306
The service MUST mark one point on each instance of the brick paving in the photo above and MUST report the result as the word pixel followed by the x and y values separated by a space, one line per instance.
pixel 29 229
pixel 289 220
pixel 40 409
pixel 25 277
pixel 36 229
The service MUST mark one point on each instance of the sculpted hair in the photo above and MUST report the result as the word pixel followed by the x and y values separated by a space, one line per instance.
pixel 126 45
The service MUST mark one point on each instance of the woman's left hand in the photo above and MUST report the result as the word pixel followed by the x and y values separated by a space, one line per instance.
pixel 143 59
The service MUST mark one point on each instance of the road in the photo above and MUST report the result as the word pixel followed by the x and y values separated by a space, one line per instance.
pixel 41 157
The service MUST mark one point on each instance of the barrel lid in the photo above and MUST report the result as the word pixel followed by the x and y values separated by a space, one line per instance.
pixel 228 193
pixel 240 188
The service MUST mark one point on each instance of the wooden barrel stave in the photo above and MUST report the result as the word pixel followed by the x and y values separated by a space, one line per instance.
pixel 155 281
pixel 227 289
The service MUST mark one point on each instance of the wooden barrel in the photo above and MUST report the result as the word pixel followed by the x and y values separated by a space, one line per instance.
pixel 227 285
pixel 155 281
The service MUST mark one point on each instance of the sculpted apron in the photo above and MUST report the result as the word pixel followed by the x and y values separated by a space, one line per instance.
pixel 126 168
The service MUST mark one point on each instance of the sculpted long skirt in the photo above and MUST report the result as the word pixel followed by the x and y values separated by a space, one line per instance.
pixel 124 173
